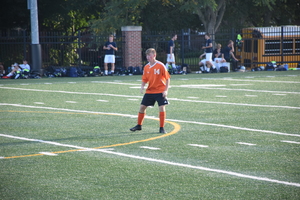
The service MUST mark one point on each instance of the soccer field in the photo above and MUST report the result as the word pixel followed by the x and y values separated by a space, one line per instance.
pixel 229 136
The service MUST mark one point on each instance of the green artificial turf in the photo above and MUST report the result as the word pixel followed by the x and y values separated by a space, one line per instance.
pixel 246 126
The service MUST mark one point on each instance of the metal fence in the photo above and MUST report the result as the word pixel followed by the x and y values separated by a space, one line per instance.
pixel 58 49
pixel 188 46
pixel 85 49
pixel 258 46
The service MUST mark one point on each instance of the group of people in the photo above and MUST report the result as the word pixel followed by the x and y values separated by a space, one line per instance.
pixel 214 59
pixel 17 70
pixel 219 56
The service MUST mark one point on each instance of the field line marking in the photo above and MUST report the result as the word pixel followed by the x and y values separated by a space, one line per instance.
pixel 235 89
pixel 78 148
pixel 174 99
pixel 235 127
pixel 169 120
pixel 68 92
pixel 235 104
pixel 203 168
pixel 291 142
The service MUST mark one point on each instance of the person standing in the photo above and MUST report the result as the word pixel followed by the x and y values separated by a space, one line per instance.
pixel 158 79
pixel 208 50
pixel 170 52
pixel 110 46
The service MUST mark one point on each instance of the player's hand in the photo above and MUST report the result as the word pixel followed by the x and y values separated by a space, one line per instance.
pixel 142 90
pixel 165 93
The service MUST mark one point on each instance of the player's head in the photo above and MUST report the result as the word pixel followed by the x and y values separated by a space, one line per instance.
pixel 110 38
pixel 25 61
pixel 150 54
pixel 207 35
pixel 230 43
pixel 219 46
pixel 174 36
pixel 150 51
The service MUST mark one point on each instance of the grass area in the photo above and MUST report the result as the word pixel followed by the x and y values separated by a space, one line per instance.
pixel 230 136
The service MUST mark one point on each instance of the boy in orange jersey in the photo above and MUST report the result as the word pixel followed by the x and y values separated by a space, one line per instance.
pixel 158 79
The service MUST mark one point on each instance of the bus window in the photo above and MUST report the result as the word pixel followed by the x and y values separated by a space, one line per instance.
pixel 297 45
pixel 288 46
pixel 247 45
pixel 272 47
pixel 255 46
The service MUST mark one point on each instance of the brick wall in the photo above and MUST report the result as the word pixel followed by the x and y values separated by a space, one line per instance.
pixel 132 47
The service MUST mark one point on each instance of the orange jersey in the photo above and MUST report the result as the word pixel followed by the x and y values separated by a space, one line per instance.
pixel 156 77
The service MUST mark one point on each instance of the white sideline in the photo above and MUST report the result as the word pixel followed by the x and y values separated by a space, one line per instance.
pixel 174 99
pixel 151 117
pixel 159 161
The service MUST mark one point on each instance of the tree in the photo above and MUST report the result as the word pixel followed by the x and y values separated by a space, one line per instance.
pixel 118 13
pixel 14 14
pixel 210 12
pixel 162 15
pixel 249 13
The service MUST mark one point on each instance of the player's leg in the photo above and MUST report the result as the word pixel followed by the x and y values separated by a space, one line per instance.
pixel 112 62
pixel 162 102
pixel 112 68
pixel 105 65
pixel 162 118
pixel 140 120
pixel 105 69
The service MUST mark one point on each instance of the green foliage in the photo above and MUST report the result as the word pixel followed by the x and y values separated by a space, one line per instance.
pixel 105 16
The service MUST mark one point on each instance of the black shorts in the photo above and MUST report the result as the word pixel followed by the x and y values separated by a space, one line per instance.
pixel 150 99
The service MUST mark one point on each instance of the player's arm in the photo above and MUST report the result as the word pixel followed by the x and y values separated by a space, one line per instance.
pixel 171 50
pixel 232 47
pixel 114 48
pixel 142 87
pixel 165 93
pixel 232 54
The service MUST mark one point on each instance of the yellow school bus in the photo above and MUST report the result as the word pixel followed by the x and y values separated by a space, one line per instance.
pixel 260 45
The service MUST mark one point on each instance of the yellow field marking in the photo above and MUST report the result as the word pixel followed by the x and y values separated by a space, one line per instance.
pixel 175 130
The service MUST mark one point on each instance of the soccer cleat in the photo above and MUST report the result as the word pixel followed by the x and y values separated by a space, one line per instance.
pixel 162 130
pixel 136 128
pixel 6 77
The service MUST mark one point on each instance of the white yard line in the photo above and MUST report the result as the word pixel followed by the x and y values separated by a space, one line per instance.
pixel 161 161
pixel 198 145
pixel 174 99
pixel 291 142
pixel 151 117
pixel 49 153
pixel 235 104
pixel 244 143
pixel 235 89
pixel 151 148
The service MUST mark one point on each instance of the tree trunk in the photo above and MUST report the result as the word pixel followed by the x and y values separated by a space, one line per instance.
pixel 212 18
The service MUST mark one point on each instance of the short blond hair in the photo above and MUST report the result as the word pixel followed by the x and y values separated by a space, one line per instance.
pixel 150 50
